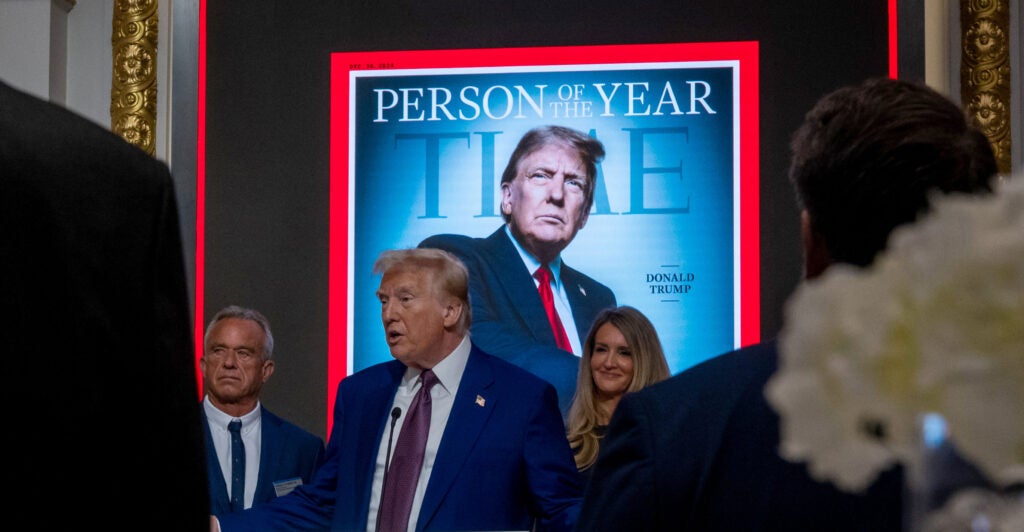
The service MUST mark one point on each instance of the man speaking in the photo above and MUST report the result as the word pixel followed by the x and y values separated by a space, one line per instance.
pixel 529 307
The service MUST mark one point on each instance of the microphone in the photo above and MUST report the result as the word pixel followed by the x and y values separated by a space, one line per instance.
pixel 395 414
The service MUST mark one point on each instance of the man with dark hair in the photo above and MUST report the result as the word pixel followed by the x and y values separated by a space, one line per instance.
pixel 866 158
pixel 700 450
pixel 529 307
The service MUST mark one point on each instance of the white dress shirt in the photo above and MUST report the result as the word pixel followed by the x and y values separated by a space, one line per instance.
pixel 252 438
pixel 557 288
pixel 449 373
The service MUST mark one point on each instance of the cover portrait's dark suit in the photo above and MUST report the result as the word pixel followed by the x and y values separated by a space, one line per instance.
pixel 509 320
pixel 103 421
pixel 503 456
pixel 700 452
pixel 286 452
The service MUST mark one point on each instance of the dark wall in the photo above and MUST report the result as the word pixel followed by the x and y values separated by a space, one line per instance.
pixel 267 130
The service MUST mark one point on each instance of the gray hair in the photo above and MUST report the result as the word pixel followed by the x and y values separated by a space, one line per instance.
pixel 235 311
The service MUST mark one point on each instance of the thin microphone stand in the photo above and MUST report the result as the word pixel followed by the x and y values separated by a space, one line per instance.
pixel 395 414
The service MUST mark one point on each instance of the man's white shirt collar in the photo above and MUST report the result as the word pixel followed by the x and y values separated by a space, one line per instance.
pixel 448 371
pixel 220 419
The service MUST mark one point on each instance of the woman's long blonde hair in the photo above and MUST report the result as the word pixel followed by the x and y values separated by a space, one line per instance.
pixel 649 367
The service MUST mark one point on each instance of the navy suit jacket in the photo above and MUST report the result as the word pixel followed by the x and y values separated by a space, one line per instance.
pixel 508 317
pixel 699 452
pixel 503 459
pixel 286 452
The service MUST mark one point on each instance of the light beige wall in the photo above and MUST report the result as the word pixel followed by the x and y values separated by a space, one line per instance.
pixel 938 44
pixel 25 42
pixel 89 59
pixel 60 50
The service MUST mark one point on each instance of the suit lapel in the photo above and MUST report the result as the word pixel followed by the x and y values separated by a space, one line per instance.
pixel 376 398
pixel 219 502
pixel 518 285
pixel 583 313
pixel 271 445
pixel 465 423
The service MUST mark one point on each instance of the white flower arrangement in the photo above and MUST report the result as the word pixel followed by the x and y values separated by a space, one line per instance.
pixel 975 510
pixel 935 325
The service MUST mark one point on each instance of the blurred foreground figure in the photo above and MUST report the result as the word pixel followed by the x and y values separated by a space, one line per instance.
pixel 102 422
pixel 700 450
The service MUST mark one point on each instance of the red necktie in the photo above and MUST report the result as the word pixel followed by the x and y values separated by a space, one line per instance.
pixel 396 501
pixel 543 275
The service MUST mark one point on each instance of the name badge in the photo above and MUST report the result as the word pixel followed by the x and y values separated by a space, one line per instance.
pixel 284 487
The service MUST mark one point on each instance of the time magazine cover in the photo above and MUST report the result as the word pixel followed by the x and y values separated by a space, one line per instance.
pixel 419 140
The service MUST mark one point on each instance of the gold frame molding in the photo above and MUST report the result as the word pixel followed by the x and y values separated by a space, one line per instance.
pixel 985 72
pixel 133 81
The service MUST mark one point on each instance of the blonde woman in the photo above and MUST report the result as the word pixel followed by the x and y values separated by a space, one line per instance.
pixel 621 354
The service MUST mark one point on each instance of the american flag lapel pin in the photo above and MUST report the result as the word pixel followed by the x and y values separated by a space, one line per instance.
pixel 480 401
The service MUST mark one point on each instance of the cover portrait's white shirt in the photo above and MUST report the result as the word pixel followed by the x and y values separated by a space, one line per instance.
pixel 557 288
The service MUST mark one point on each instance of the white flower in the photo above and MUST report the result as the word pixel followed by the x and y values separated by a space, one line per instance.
pixel 935 325
pixel 977 509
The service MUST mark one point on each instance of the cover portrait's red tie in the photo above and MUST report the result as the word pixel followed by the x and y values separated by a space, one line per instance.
pixel 543 275
pixel 404 472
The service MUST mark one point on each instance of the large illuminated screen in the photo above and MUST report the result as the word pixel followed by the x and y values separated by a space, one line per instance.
pixel 419 140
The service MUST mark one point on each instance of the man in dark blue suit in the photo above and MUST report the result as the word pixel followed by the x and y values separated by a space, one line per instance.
pixel 491 452
pixel 547 190
pixel 700 451
pixel 278 456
